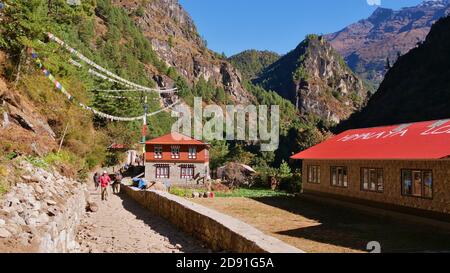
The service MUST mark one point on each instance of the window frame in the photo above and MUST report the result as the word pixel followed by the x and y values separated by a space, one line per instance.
pixel 186 175
pixel 310 168
pixel 158 154
pixel 422 175
pixel 343 186
pixel 194 154
pixel 377 170
pixel 158 174
pixel 175 155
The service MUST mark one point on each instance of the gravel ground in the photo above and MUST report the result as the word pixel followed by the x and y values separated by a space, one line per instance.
pixel 122 226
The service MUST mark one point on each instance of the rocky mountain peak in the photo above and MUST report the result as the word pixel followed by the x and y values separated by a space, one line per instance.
pixel 367 44
pixel 317 80
pixel 175 39
pixel 380 15
pixel 434 3
pixel 415 89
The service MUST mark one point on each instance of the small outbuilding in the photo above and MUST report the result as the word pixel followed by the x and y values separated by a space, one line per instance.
pixel 402 167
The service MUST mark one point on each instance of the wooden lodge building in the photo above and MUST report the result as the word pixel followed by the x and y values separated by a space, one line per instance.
pixel 403 167
pixel 176 159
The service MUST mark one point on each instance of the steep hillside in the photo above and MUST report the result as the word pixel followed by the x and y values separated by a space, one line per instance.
pixel 316 79
pixel 252 62
pixel 175 39
pixel 416 88
pixel 367 44
pixel 104 34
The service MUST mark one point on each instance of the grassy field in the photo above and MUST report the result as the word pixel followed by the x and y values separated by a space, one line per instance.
pixel 241 192
pixel 252 193
pixel 318 228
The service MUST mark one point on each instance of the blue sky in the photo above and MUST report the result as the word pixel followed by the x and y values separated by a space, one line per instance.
pixel 232 26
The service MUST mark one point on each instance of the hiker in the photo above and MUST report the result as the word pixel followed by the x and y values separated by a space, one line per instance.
pixel 104 183
pixel 96 180
pixel 117 181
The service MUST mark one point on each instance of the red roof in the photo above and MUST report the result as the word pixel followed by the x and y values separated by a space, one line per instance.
pixel 423 140
pixel 175 138
pixel 116 146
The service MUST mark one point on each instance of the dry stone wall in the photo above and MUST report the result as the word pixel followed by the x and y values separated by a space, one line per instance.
pixel 41 212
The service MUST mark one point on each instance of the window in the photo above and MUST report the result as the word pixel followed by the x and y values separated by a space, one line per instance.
pixel 158 152
pixel 175 152
pixel 192 153
pixel 314 174
pixel 162 171
pixel 417 183
pixel 372 180
pixel 339 177
pixel 187 172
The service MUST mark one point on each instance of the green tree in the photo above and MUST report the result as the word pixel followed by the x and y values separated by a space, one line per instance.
pixel 284 171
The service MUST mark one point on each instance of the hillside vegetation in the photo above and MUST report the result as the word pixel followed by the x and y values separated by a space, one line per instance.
pixel 252 62
pixel 108 35
pixel 105 34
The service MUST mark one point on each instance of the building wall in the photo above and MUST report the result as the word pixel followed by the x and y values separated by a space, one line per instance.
pixel 174 171
pixel 202 153
pixel 392 194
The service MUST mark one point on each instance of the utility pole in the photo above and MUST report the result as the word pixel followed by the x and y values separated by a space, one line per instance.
pixel 144 129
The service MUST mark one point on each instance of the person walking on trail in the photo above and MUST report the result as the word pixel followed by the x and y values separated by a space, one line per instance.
pixel 117 181
pixel 96 180
pixel 104 183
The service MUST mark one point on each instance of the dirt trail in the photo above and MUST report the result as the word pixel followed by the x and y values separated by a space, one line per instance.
pixel 121 225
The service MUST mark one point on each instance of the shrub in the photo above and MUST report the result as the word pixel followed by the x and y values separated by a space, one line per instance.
pixel 37 162
pixel 291 184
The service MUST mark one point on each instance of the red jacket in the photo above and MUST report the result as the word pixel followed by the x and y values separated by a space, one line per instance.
pixel 104 180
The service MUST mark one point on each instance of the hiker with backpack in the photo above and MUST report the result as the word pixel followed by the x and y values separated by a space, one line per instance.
pixel 117 181
pixel 96 180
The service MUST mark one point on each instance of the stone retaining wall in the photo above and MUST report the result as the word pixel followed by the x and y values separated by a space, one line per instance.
pixel 221 232
pixel 41 213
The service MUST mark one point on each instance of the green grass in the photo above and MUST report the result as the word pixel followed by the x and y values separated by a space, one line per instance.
pixel 252 193
pixel 242 192
pixel 184 192
pixel 37 162
pixel 3 183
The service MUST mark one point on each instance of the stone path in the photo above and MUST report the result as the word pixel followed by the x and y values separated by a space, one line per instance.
pixel 123 226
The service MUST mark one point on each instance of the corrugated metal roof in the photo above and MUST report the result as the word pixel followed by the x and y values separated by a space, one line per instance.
pixel 422 140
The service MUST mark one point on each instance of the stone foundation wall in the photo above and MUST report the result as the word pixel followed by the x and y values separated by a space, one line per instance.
pixel 41 212
pixel 219 231
pixel 175 169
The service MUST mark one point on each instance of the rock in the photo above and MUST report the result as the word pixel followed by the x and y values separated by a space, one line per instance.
pixel 38 189
pixel 31 221
pixel 43 219
pixel 2 222
pixel 52 211
pixel 92 207
pixel 50 202
pixel 4 233
pixel 13 228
